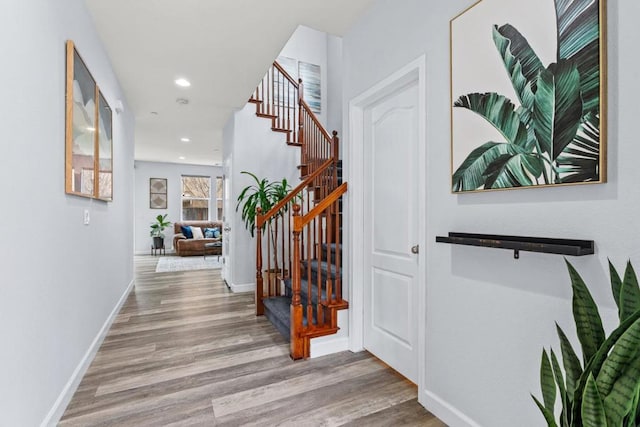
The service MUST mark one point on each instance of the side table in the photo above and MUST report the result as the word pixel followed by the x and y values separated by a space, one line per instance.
pixel 212 245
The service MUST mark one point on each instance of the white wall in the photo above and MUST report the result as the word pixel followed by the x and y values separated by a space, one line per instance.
pixel 250 145
pixel 173 172
pixel 60 279
pixel 310 46
pixel 334 84
pixel 488 315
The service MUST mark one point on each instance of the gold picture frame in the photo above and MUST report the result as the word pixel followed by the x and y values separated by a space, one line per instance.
pixel 534 115
pixel 88 133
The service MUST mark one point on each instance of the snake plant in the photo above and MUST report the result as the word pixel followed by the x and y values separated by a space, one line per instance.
pixel 604 389
pixel 552 131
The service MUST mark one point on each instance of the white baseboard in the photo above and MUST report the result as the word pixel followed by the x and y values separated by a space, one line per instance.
pixel 242 287
pixel 56 412
pixel 322 346
pixel 445 412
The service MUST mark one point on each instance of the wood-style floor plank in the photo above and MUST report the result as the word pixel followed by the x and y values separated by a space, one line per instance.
pixel 185 351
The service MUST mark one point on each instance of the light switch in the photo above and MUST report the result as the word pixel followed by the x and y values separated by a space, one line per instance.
pixel 87 218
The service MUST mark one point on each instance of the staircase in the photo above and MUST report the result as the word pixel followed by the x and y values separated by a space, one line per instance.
pixel 299 241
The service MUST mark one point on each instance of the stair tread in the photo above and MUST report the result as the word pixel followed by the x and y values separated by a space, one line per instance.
pixel 266 116
pixel 283 130
pixel 304 288
pixel 321 266
pixel 280 308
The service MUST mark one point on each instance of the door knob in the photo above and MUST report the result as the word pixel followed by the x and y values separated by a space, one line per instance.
pixel 227 228
pixel 415 249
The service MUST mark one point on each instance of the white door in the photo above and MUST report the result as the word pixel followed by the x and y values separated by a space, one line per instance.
pixel 226 230
pixel 391 208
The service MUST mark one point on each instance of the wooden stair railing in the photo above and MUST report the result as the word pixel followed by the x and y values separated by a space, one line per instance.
pixel 280 98
pixel 322 315
pixel 277 97
pixel 302 254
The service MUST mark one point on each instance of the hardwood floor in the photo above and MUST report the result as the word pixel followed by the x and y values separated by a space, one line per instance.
pixel 185 351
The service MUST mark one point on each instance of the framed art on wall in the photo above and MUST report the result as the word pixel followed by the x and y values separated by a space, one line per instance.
pixel 88 133
pixel 158 193
pixel 310 75
pixel 528 94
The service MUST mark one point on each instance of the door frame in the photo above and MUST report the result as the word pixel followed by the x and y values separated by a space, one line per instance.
pixel 415 71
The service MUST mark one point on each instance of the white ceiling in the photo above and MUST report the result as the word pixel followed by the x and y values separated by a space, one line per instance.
pixel 223 47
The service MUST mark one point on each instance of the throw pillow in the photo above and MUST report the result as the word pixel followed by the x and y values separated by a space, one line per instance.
pixel 208 233
pixel 197 232
pixel 186 230
pixel 216 233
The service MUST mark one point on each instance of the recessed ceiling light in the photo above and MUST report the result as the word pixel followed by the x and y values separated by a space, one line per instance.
pixel 182 158
pixel 183 82
pixel 185 140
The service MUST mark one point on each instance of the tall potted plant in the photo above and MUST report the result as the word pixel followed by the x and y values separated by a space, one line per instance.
pixel 602 390
pixel 157 231
pixel 264 195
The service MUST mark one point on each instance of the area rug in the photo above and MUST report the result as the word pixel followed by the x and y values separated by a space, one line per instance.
pixel 178 263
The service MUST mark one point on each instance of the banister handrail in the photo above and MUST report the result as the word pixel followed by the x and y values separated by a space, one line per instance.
pixel 313 117
pixel 261 219
pixel 299 222
pixel 285 74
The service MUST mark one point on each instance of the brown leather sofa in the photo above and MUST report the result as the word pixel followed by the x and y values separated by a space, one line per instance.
pixel 188 247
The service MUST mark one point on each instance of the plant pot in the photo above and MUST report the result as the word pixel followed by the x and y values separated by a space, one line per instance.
pixel 158 242
pixel 273 282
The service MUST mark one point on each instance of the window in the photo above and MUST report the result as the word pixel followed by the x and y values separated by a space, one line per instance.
pixel 196 193
pixel 219 196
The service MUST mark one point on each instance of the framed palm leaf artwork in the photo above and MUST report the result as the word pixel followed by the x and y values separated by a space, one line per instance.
pixel 528 87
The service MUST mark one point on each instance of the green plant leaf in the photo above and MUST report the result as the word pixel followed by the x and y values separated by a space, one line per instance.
pixel 513 171
pixel 596 362
pixel 557 109
pixel 580 160
pixel 631 419
pixel 499 111
pixel 619 402
pixel 586 316
pixel 616 286
pixel 578 41
pixel 592 412
pixel 470 174
pixel 570 361
pixel 547 382
pixel 629 293
pixel 624 352
pixel 522 64
pixel 548 415
pixel 557 373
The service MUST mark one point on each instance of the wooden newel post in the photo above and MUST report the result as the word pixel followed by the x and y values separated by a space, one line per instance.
pixel 297 342
pixel 259 288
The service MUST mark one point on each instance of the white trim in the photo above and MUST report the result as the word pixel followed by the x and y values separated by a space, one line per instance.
pixel 412 72
pixel 242 287
pixel 56 412
pixel 444 411
pixel 321 347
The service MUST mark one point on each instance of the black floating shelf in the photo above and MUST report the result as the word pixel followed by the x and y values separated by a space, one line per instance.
pixel 521 243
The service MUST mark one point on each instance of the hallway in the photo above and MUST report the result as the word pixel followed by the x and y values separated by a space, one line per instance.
pixel 186 351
